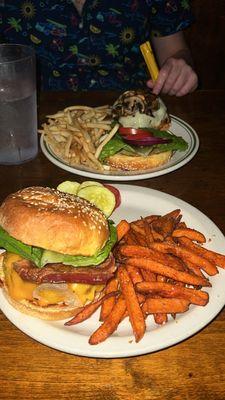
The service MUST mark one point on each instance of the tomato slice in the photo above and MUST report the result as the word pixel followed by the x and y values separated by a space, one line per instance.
pixel 133 132
pixel 116 193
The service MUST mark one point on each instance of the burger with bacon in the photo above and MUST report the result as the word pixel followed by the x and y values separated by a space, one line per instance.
pixel 58 252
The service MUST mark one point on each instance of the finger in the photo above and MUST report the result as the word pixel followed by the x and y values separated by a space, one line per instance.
pixel 150 83
pixel 178 85
pixel 190 85
pixel 175 68
pixel 169 85
pixel 162 77
pixel 184 77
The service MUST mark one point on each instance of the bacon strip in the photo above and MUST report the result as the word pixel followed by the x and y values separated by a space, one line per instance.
pixel 60 273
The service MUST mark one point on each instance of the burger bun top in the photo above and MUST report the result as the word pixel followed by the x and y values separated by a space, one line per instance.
pixel 56 221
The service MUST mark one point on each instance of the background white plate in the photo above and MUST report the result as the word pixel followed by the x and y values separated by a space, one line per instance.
pixel 136 202
pixel 178 127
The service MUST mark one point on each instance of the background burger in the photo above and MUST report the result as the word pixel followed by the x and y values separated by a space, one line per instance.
pixel 58 252
pixel 142 140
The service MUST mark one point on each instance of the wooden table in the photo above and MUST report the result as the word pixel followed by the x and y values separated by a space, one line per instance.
pixel 193 369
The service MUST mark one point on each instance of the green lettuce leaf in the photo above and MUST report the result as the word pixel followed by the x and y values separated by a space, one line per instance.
pixel 12 245
pixel 176 143
pixel 117 144
pixel 40 257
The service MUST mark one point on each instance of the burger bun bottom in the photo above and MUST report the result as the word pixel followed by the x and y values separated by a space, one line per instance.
pixel 50 313
pixel 134 163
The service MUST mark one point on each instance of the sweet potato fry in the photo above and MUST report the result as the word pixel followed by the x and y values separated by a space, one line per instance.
pixel 164 270
pixel 134 274
pixel 187 254
pixel 130 238
pixel 139 239
pixel 141 300
pixel 148 232
pixel 89 309
pixel 165 224
pixel 212 256
pixel 193 268
pixel 148 275
pixel 160 318
pixel 189 233
pixel 194 296
pixel 108 303
pixel 138 228
pixel 161 278
pixel 142 251
pixel 151 277
pixel 166 306
pixel 122 228
pixel 174 214
pixel 110 324
pixel 181 225
pixel 133 307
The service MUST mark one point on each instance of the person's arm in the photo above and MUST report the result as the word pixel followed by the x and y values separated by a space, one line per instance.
pixel 176 75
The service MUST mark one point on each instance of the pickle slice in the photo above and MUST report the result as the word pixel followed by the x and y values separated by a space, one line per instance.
pixel 100 196
pixel 69 187
pixel 89 183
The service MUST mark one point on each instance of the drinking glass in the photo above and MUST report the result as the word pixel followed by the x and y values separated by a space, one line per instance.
pixel 18 107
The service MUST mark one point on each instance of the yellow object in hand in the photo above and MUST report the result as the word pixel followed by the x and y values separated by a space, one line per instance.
pixel 150 60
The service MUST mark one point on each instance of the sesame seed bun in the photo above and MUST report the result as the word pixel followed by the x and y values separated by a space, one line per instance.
pixel 53 220
pixel 135 163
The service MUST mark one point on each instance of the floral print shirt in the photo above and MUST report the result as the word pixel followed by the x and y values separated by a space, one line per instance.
pixel 98 49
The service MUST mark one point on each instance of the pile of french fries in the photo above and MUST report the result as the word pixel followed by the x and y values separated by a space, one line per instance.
pixel 163 268
pixel 75 134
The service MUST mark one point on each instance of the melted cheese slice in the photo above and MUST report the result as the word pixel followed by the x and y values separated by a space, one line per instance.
pixel 20 289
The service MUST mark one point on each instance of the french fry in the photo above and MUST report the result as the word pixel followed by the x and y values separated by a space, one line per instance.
pixel 187 254
pixel 193 268
pixel 148 232
pixel 160 318
pixel 122 229
pixel 141 251
pixel 210 255
pixel 165 224
pixel 134 274
pixel 165 306
pixel 141 300
pixel 169 272
pixel 149 276
pixel 161 278
pixel 162 266
pixel 109 302
pixel 84 128
pixel 133 307
pixel 151 218
pixel 138 228
pixel 110 324
pixel 189 233
pixel 194 296
pixel 88 310
pixel 174 214
pixel 138 239
pixel 130 238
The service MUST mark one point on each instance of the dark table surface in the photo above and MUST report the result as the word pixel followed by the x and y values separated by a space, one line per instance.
pixel 192 369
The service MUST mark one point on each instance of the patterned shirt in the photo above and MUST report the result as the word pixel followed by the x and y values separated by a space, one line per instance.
pixel 98 49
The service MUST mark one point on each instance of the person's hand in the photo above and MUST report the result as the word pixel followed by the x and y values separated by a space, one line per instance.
pixel 175 77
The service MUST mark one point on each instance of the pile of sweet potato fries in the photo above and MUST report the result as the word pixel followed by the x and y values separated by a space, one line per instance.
pixel 162 270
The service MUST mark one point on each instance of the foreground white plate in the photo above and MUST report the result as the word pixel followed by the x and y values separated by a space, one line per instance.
pixel 136 202
pixel 178 127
